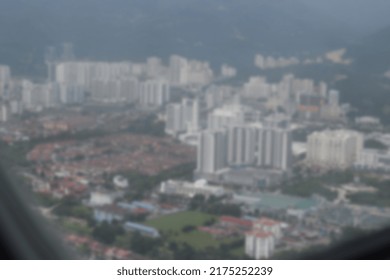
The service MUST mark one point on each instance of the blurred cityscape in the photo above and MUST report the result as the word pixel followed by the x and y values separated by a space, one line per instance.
pixel 174 160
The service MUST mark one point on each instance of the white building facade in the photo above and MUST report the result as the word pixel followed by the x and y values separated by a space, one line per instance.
pixel 334 149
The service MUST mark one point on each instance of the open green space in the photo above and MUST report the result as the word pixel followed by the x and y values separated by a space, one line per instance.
pixel 175 222
pixel 172 225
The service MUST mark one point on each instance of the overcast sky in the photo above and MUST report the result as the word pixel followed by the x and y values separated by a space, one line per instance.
pixel 367 15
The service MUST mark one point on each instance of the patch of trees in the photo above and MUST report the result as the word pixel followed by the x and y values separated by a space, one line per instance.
pixel 72 208
pixel 214 206
pixel 141 185
pixel 309 187
pixel 107 233
pixel 381 198
pixel 374 144
pixel 147 126
pixel 14 155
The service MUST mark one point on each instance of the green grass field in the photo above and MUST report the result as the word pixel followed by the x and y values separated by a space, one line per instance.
pixel 172 226
pixel 175 222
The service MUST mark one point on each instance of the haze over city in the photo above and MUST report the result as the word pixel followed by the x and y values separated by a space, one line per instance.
pixel 198 129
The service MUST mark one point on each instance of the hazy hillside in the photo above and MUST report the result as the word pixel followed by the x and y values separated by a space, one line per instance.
pixel 372 54
pixel 365 16
pixel 366 87
pixel 216 30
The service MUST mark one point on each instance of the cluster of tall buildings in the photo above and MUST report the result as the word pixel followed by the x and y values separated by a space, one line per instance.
pixel 216 96
pixel 247 129
pixel 270 62
pixel 72 81
pixel 148 83
pixel 301 97
pixel 114 82
pixel 184 72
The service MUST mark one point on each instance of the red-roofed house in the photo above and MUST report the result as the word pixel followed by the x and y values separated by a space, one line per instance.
pixel 269 225
pixel 233 222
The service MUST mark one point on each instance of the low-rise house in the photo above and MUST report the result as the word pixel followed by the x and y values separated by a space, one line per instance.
pixel 235 223
pixel 109 213
pixel 269 225
pixel 144 230
pixel 190 189
pixel 102 196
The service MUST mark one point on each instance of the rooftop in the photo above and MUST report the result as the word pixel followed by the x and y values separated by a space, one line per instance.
pixel 234 220
pixel 259 234
pixel 276 201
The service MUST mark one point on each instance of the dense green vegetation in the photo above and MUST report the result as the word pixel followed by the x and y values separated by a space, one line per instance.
pixel 381 198
pixel 348 234
pixel 306 187
pixel 366 92
pixel 141 185
pixel 175 222
pixel 75 227
pixel 337 177
pixel 72 208
pixel 107 233
pixel 309 187
pixel 167 249
pixel 45 200
pixel 214 206
pixel 184 241
pixel 14 155
pixel 374 144
pixel 147 126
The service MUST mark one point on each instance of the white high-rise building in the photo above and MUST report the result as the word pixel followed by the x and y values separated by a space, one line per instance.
pixel 191 114
pixel 257 87
pixel 129 89
pixel 334 97
pixel 334 149
pixel 5 80
pixel 4 112
pixel 228 71
pixel 154 67
pixel 40 95
pixel 84 73
pixel 154 93
pixel 226 116
pixel 323 89
pixel 199 73
pixel 216 95
pixel 241 145
pixel 211 154
pixel 183 117
pixel 174 121
pixel 274 146
pixel 178 70
pixel 263 145
pixel 71 94
pixel 183 72
pixel 16 107
pixel 259 244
